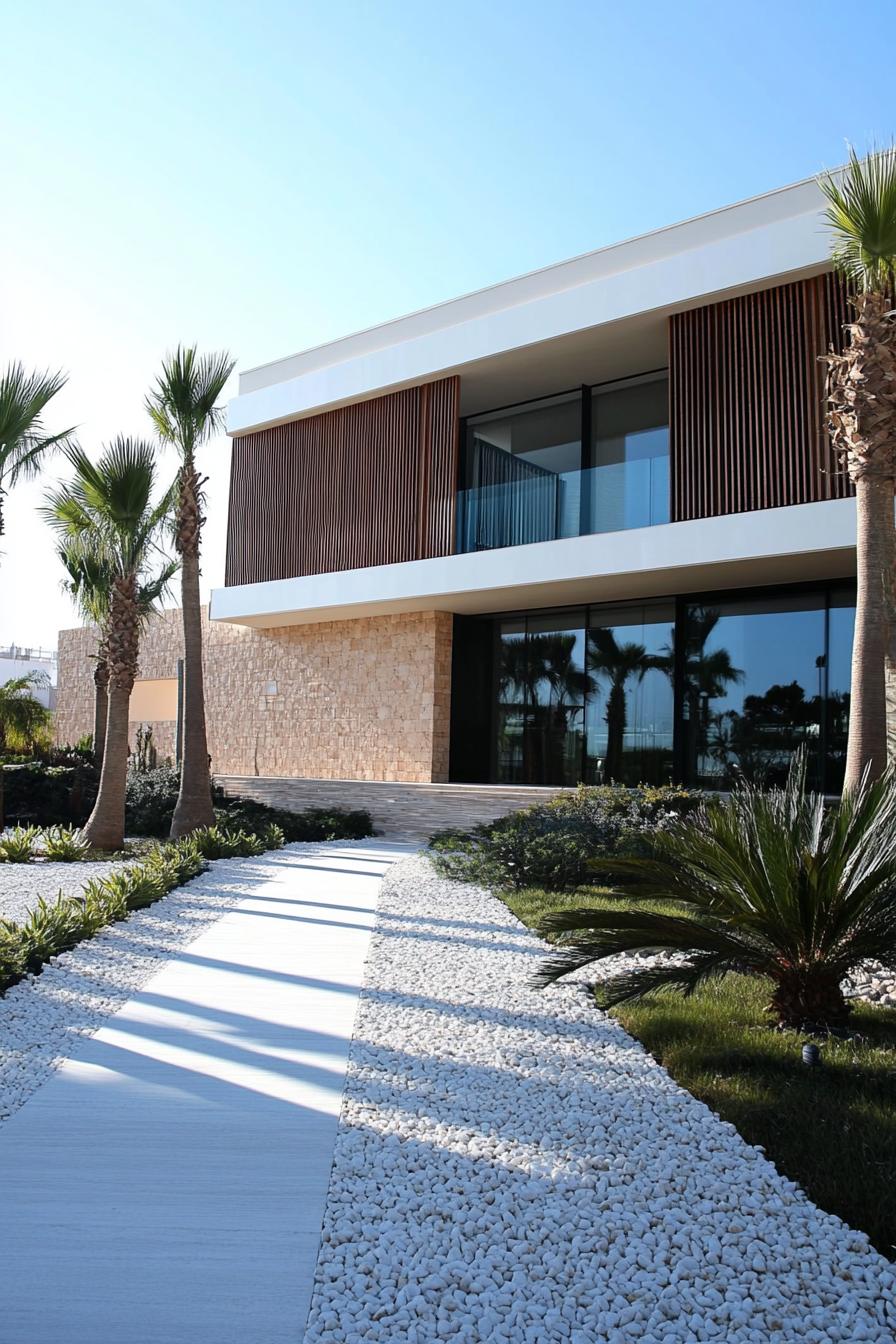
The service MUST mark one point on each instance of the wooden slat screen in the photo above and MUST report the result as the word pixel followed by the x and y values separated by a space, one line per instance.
pixel 369 484
pixel 746 390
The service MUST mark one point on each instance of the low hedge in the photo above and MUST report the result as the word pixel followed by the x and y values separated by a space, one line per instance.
pixel 554 845
pixel 152 795
pixel 314 823
pixel 57 926
pixel 40 793
pixel 60 790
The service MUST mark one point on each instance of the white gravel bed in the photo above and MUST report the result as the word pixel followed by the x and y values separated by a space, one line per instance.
pixel 23 884
pixel 42 1017
pixel 512 1166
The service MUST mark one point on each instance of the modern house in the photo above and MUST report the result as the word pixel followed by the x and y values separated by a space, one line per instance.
pixel 582 525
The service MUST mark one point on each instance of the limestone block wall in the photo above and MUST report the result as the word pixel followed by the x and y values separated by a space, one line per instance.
pixel 364 699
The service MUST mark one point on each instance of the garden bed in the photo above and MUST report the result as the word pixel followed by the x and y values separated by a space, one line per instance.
pixel 511 1165
pixel 832 1128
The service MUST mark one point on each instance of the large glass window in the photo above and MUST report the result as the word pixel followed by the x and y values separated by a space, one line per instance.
pixel 521 474
pixel 841 622
pixel 527 476
pixel 707 692
pixel 559 684
pixel 513 696
pixel 629 715
pixel 541 690
pixel 753 683
pixel 629 484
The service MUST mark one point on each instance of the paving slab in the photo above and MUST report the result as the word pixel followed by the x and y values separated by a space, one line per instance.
pixel 168 1182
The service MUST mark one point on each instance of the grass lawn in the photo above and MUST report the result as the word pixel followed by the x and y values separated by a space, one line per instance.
pixel 832 1129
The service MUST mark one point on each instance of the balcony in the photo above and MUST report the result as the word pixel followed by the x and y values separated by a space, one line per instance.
pixel 595 460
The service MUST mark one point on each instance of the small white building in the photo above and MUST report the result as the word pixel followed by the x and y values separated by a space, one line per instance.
pixel 17 661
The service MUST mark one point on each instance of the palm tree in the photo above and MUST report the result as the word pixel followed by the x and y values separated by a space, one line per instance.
pixel 90 580
pixel 861 400
pixel 89 583
pixel 185 411
pixel 618 662
pixel 766 883
pixel 23 719
pixel 109 510
pixel 23 440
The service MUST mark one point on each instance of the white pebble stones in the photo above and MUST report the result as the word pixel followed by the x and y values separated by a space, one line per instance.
pixel 511 1166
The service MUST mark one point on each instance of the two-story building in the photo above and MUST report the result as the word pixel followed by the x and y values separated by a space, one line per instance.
pixel 582 525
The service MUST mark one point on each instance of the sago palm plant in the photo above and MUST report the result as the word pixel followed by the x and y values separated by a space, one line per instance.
pixel 184 408
pixel 111 510
pixel 772 884
pixel 24 441
pixel 861 399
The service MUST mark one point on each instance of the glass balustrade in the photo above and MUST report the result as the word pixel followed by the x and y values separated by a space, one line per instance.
pixel 552 505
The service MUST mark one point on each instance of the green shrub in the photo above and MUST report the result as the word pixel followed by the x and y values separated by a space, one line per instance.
pixel 314 823
pixel 55 787
pixel 150 800
pixel 772 883
pixel 53 927
pixel 56 926
pixel 272 836
pixel 17 846
pixel 12 954
pixel 555 845
pixel 64 844
pixel 215 842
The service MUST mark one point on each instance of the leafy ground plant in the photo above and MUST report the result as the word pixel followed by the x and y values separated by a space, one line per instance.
pixel 556 844
pixel 17 846
pixel 774 883
pixel 216 842
pixel 64 844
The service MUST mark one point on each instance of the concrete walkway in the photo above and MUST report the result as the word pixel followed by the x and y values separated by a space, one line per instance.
pixel 167 1185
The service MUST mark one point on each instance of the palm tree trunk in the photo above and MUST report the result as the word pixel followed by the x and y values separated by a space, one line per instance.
pixel 194 802
pixel 867 743
pixel 100 709
pixel 105 825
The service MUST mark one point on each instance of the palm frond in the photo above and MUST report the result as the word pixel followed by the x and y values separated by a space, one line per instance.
pixel 861 215
pixel 183 404
pixel 774 882
pixel 24 440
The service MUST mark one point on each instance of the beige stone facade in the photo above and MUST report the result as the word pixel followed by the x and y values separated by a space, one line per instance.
pixel 363 699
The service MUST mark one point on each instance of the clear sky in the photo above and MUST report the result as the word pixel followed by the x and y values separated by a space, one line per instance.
pixel 263 177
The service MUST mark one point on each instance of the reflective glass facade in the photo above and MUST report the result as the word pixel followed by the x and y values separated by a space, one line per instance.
pixel 700 690
pixel 594 460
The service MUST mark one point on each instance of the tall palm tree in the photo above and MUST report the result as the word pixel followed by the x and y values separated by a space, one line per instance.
pixel 110 509
pixel 24 442
pixel 90 580
pixel 184 408
pixel 861 400
pixel 89 583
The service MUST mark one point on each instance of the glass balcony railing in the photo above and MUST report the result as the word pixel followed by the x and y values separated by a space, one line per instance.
pixel 568 504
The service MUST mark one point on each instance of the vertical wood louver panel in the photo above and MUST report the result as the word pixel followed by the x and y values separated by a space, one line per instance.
pixel 369 484
pixel 746 400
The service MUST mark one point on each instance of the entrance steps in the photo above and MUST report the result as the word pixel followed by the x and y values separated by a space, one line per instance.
pixel 405 811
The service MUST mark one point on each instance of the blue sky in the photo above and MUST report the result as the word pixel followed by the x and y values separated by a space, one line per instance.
pixel 264 177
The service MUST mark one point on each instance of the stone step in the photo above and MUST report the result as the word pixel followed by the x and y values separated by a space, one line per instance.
pixel 404 810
